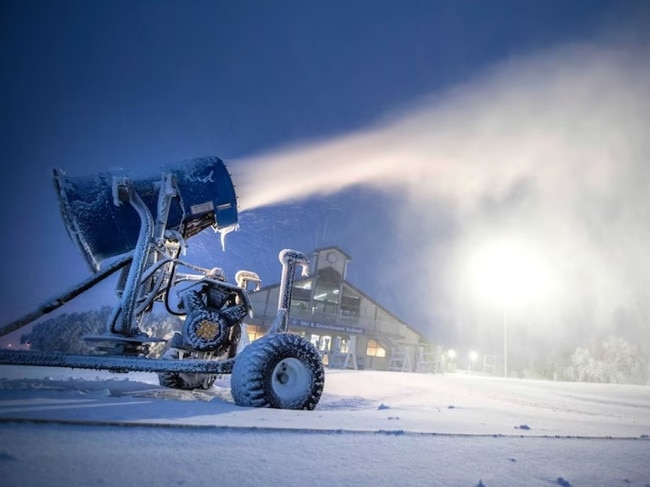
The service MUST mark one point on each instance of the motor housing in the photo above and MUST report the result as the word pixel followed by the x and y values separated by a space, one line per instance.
pixel 213 310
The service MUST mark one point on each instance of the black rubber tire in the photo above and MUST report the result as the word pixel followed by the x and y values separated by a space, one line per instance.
pixel 186 382
pixel 280 370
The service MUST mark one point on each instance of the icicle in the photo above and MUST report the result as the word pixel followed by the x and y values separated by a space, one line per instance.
pixel 225 231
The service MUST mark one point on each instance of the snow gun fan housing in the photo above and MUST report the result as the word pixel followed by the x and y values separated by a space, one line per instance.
pixel 103 228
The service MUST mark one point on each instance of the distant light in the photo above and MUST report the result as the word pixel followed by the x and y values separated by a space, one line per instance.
pixel 508 271
pixel 451 353
pixel 473 356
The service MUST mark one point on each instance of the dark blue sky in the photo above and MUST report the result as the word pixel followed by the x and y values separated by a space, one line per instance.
pixel 94 85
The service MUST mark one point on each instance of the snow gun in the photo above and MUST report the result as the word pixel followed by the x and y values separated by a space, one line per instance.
pixel 139 228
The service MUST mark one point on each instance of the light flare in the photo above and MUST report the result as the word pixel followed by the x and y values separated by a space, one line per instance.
pixel 508 272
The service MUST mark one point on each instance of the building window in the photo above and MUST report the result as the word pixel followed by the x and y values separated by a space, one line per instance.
pixel 350 305
pixel 340 345
pixel 375 349
pixel 327 287
pixel 321 308
pixel 301 294
pixel 300 308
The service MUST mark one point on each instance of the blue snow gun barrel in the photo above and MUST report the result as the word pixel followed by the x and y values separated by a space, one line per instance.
pixel 101 229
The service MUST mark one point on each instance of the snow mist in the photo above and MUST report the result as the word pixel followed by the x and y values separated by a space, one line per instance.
pixel 551 151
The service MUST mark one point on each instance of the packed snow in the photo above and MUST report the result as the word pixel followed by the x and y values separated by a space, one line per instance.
pixel 68 427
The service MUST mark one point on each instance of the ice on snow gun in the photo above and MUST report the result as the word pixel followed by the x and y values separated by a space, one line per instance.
pixel 103 226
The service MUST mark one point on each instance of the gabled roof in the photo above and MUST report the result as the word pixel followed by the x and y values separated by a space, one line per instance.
pixel 392 315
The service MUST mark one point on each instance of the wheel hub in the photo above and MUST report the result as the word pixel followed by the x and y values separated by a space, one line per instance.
pixel 283 377
pixel 290 378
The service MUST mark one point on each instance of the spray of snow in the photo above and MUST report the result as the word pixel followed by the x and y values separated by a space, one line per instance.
pixel 551 150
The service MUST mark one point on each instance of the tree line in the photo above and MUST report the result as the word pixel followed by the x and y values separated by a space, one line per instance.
pixel 65 332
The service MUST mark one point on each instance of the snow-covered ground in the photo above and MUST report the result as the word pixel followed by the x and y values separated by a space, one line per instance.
pixel 79 428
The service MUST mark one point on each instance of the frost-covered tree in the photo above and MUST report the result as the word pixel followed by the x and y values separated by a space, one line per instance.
pixel 612 360
pixel 162 326
pixel 550 367
pixel 64 333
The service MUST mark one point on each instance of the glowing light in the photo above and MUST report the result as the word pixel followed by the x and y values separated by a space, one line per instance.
pixel 473 356
pixel 508 272
pixel 451 354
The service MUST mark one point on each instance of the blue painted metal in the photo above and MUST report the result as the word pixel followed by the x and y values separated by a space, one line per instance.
pixel 101 229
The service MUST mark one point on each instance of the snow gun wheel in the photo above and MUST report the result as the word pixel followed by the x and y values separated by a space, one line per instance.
pixel 179 380
pixel 280 370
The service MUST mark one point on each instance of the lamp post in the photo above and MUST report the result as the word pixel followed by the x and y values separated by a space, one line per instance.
pixel 473 357
pixel 509 273
pixel 451 355
pixel 505 344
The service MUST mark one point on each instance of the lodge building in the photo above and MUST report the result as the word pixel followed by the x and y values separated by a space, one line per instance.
pixel 348 327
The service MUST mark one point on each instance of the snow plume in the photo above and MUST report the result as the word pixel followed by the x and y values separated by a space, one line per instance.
pixel 552 151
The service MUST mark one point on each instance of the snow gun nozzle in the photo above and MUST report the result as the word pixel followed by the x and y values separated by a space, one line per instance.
pixel 102 224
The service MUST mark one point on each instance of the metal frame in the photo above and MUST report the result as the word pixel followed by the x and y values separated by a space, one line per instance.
pixel 148 274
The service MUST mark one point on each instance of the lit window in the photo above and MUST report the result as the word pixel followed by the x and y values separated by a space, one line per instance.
pixel 375 349
pixel 254 332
